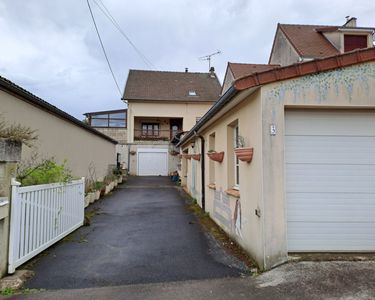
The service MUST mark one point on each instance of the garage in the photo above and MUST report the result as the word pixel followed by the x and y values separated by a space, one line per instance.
pixel 152 162
pixel 330 180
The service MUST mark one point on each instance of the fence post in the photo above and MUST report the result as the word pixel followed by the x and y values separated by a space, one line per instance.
pixel 14 223
pixel 10 154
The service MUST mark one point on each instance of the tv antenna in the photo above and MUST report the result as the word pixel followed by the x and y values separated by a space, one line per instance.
pixel 208 58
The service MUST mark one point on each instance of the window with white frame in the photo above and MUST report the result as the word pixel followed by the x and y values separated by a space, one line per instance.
pixel 236 160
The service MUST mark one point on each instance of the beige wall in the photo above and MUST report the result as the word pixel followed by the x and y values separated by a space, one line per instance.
pixel 118 134
pixel 262 182
pixel 283 53
pixel 59 138
pixel 188 111
pixel 228 80
pixel 219 204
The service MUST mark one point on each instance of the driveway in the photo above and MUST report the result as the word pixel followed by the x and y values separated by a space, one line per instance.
pixel 142 233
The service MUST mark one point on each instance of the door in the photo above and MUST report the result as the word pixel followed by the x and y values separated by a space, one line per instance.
pixel 330 180
pixel 152 162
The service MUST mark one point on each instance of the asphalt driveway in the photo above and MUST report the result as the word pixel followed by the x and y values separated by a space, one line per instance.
pixel 142 233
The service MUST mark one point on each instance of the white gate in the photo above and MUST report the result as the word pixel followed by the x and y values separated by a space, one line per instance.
pixel 41 215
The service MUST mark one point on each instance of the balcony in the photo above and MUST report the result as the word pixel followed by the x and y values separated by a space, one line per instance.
pixel 154 135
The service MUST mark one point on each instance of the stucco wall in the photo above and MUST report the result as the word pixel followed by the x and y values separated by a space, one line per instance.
pixel 283 53
pixel 351 87
pixel 188 111
pixel 247 231
pixel 228 80
pixel 59 138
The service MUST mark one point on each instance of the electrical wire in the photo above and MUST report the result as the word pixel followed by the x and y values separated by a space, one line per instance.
pixel 105 53
pixel 107 13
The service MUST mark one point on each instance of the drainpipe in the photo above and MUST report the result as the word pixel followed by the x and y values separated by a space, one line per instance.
pixel 203 197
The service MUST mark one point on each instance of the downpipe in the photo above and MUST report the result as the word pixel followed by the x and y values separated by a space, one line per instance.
pixel 203 188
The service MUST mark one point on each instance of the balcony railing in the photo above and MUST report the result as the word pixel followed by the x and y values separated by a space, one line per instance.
pixel 154 135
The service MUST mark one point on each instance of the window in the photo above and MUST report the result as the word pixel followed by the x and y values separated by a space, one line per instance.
pixel 115 119
pixel 236 160
pixel 352 42
pixel 150 129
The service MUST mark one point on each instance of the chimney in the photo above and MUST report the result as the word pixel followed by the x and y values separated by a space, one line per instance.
pixel 350 22
pixel 212 72
pixel 186 70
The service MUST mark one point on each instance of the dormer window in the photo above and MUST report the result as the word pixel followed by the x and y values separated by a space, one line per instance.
pixel 192 93
pixel 353 41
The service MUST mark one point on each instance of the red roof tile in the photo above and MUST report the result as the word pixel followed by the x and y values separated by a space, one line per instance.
pixel 171 86
pixel 240 70
pixel 306 68
pixel 308 40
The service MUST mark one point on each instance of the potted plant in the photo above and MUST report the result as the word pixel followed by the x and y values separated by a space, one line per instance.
pixel 243 153
pixel 196 157
pixel 98 189
pixel 216 156
pixel 187 156
pixel 133 152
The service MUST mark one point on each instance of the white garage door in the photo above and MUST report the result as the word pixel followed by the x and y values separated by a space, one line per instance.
pixel 152 162
pixel 330 180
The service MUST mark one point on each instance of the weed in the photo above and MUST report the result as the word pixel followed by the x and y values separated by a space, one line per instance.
pixel 7 291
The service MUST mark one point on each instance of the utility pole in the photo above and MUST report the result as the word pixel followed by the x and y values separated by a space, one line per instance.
pixel 208 58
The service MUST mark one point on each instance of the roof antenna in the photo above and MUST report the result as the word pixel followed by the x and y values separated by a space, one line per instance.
pixel 208 58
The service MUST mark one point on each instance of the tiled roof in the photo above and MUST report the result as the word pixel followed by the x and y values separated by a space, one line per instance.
pixel 171 86
pixel 308 40
pixel 282 73
pixel 240 69
pixel 306 68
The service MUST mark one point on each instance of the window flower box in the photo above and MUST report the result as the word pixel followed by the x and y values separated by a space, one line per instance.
pixel 196 157
pixel 187 156
pixel 216 156
pixel 244 154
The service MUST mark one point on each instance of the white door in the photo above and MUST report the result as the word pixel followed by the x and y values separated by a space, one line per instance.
pixel 152 162
pixel 330 180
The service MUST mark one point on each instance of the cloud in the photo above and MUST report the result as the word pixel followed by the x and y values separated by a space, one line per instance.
pixel 51 49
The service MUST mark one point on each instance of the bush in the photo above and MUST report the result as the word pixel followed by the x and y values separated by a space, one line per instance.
pixel 48 171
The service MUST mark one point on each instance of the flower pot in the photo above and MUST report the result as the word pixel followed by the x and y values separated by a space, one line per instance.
pixel 119 179
pixel 107 189
pixel 97 195
pixel 187 156
pixel 92 196
pixel 244 154
pixel 115 183
pixel 196 157
pixel 216 156
pixel 87 200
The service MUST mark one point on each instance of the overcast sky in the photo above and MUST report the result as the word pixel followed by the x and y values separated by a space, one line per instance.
pixel 50 47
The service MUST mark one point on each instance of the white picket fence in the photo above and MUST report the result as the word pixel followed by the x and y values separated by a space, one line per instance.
pixel 41 215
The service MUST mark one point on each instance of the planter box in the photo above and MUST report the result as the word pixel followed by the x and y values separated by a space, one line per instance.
pixel 107 189
pixel 216 156
pixel 87 200
pixel 10 151
pixel 196 157
pixel 92 196
pixel 244 154
pixel 187 156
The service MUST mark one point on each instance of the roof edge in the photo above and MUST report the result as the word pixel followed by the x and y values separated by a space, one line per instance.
pixel 306 68
pixel 24 95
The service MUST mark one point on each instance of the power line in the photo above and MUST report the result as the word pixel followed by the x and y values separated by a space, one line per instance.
pixel 107 13
pixel 105 53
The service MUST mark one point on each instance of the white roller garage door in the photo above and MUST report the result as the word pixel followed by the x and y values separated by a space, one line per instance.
pixel 330 180
pixel 152 162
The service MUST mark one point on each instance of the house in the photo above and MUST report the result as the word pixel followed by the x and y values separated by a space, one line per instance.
pixel 298 43
pixel 302 180
pixel 112 123
pixel 161 105
pixel 237 70
pixel 60 135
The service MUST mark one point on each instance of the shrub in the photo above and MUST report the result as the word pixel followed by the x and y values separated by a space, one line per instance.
pixel 18 133
pixel 48 171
